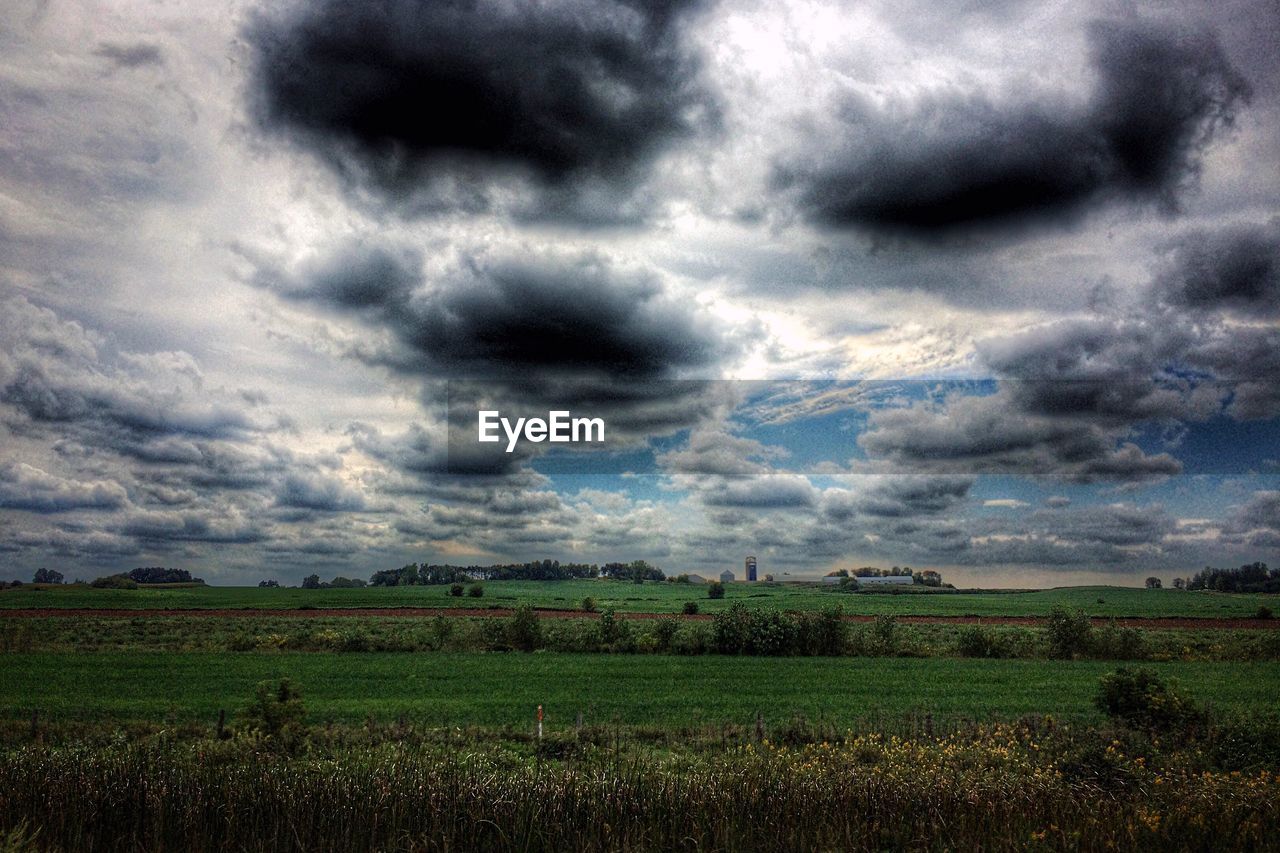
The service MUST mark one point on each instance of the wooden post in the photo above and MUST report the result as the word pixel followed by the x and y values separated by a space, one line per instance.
pixel 222 723
pixel 759 726
pixel 35 725
pixel 539 724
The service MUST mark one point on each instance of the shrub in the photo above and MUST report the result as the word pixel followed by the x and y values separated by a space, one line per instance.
pixel 690 608
pixel 1264 612
pixel 1115 643
pixel 821 633
pixel 115 582
pixel 476 590
pixel 976 641
pixel 715 589
pixel 665 632
pixel 771 633
pixel 1140 698
pixel 883 632
pixel 1067 631
pixel 277 716
pixel 589 605
pixel 524 631
pixel 456 590
pixel 731 630
pixel 615 634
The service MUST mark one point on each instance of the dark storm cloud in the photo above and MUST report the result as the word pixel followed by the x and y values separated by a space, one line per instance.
pixel 914 496
pixel 216 525
pixel 525 316
pixel 1236 269
pixel 960 163
pixel 1113 371
pixel 310 490
pixel 1257 522
pixel 993 435
pixel 441 103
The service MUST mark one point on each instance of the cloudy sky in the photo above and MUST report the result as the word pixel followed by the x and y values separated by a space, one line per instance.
pixel 992 288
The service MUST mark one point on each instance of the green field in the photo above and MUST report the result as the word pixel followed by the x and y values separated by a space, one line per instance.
pixel 662 598
pixel 657 690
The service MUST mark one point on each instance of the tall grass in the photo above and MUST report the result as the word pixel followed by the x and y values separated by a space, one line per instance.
pixel 995 791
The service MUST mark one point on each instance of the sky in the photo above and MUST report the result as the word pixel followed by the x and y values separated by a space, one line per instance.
pixel 989 288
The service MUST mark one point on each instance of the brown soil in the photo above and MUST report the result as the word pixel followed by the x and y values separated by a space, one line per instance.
pixel 1185 622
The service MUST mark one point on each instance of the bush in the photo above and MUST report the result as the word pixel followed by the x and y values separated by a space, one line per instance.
pixel 524 631
pixel 456 590
pixel 615 635
pixel 731 630
pixel 1264 612
pixel 665 632
pixel 1140 698
pixel 690 608
pixel 1115 643
pixel 588 605
pixel 1068 632
pixel 277 715
pixel 115 582
pixel 475 590
pixel 976 641
pixel 883 633
pixel 715 589
pixel 822 633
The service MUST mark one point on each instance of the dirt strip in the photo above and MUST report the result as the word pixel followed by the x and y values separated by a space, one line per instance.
pixel 1183 622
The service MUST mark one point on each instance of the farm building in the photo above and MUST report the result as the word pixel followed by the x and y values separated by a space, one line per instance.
pixel 891 580
pixel 726 576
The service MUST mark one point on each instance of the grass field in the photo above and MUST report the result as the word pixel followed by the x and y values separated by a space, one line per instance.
pixel 662 598
pixel 503 689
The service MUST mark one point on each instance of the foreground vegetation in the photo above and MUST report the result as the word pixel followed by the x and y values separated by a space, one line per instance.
pixel 1033 784
pixel 650 597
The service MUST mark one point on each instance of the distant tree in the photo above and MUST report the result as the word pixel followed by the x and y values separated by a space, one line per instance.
pixel 715 589
pixel 838 573
pixel 47 576
pixel 588 605
pixel 346 583
pixel 1153 583
pixel 1179 583
pixel 476 590
pixel 387 577
pixel 311 582
pixel 768 578
pixel 160 574
pixel 1253 577
pixel 690 608
pixel 456 590
pixel 269 584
